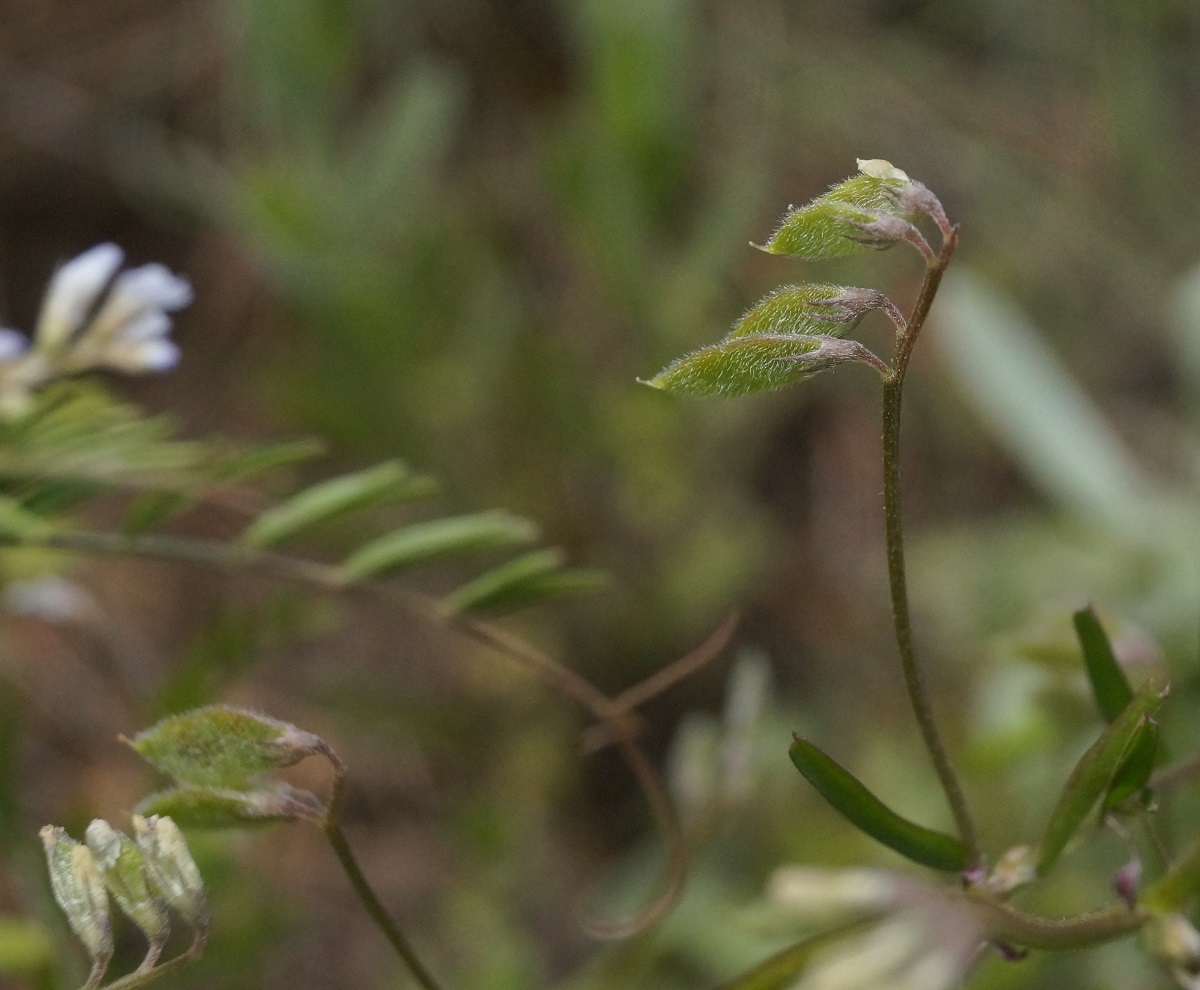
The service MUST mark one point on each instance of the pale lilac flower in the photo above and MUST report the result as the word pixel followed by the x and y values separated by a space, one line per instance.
pixel 73 292
pixel 12 345
pixel 130 329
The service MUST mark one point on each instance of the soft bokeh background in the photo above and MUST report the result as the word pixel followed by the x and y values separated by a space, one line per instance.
pixel 455 232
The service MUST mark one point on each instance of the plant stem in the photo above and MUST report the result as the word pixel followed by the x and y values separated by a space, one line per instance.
pixel 374 907
pixel 1056 934
pixel 918 695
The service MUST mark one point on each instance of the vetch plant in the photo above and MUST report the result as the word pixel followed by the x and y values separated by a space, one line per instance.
pixel 897 940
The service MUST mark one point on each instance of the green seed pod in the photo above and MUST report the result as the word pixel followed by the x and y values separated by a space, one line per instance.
pixel 861 808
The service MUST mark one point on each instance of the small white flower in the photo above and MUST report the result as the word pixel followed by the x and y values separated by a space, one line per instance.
pixel 814 893
pixel 879 168
pixel 129 332
pixel 73 292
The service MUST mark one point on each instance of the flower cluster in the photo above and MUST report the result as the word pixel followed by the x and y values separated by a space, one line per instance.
pixel 94 316
pixel 147 876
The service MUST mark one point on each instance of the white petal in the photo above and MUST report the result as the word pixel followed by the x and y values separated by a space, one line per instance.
pixel 149 325
pixel 12 344
pixel 156 285
pixel 881 168
pixel 73 291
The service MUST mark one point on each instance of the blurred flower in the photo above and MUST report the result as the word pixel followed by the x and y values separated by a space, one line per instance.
pixel 94 317
pixel 73 293
pixel 913 936
pixel 1175 941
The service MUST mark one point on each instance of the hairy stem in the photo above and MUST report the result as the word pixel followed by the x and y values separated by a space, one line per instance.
pixel 914 682
pixel 1003 921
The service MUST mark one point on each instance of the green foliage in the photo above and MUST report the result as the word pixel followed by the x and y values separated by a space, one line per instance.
pixel 1096 771
pixel 436 539
pixel 222 747
pixel 337 497
pixel 865 811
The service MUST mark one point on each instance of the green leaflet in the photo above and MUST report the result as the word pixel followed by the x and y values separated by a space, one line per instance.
pixel 1137 767
pixel 797 310
pixel 847 794
pixel 762 363
pixel 335 498
pixel 529 578
pixel 218 807
pixel 222 746
pixel 426 541
pixel 829 226
pixel 1096 770
pixel 1110 686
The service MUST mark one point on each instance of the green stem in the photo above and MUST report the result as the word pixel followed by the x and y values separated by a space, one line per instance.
pixel 1003 921
pixel 914 682
pixel 374 907
pixel 144 977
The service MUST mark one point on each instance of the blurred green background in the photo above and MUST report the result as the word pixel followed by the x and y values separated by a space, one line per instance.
pixel 456 232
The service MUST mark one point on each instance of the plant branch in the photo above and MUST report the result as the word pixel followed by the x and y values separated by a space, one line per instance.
pixel 620 722
pixel 1003 921
pixel 918 695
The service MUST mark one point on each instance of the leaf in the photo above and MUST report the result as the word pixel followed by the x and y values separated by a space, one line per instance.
pixel 797 310
pixel 222 746
pixel 1096 770
pixel 17 524
pixel 530 578
pixel 847 794
pixel 744 365
pixel 426 541
pixel 1110 686
pixel 215 807
pixel 1137 767
pixel 335 498
pixel 830 225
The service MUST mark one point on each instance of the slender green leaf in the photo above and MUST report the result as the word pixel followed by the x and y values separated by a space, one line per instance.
pixel 849 796
pixel 222 746
pixel 334 498
pixel 426 541
pixel 530 578
pixel 1096 770
pixel 1110 686
pixel 797 310
pixel 744 365
pixel 216 807
pixel 1137 767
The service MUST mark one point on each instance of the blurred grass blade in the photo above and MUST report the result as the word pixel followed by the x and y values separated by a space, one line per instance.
pixel 528 579
pixel 1096 770
pixel 1035 408
pixel 422 542
pixel 332 499
pixel 781 971
pixel 864 810
pixel 1110 686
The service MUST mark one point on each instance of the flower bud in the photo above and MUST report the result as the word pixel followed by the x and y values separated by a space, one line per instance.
pixel 122 866
pixel 170 867
pixel 79 890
